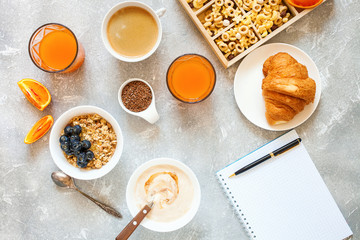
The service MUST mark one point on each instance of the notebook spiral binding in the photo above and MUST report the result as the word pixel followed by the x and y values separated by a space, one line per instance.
pixel 250 232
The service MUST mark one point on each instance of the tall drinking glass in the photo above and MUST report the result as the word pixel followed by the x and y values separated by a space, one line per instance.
pixel 54 48
pixel 191 78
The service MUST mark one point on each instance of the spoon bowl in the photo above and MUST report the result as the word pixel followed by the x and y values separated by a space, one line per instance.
pixel 62 180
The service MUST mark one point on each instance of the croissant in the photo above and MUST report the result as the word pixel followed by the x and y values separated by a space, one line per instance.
pixel 287 88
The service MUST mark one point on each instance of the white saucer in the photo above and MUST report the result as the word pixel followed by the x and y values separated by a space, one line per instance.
pixel 248 80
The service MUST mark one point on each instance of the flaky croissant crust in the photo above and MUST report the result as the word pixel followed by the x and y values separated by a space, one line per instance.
pixel 286 87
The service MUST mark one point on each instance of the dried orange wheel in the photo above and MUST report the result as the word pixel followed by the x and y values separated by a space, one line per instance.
pixel 35 92
pixel 39 129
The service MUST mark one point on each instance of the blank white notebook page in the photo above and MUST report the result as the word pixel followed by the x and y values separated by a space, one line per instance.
pixel 284 197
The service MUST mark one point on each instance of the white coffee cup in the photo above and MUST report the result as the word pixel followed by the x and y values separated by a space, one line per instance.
pixel 116 8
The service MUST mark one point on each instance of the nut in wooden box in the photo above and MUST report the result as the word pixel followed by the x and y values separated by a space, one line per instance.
pixel 233 28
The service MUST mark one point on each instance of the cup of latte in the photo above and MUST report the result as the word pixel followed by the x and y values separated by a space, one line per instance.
pixel 131 31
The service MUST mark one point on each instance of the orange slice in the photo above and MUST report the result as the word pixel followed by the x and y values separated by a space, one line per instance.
pixel 39 129
pixel 35 92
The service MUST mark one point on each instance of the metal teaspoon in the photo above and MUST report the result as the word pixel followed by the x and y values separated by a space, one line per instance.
pixel 63 180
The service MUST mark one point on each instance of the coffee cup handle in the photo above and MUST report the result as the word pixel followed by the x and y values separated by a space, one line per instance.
pixel 160 12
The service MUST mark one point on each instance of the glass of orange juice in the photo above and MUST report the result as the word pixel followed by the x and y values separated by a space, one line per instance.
pixel 54 48
pixel 191 78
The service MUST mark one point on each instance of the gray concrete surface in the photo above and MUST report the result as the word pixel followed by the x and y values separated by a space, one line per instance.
pixel 206 136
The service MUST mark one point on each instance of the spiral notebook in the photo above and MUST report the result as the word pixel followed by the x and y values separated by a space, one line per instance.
pixel 283 198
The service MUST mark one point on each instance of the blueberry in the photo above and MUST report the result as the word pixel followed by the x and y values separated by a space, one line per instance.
pixel 81 157
pixel 77 129
pixel 86 144
pixel 89 155
pixel 81 162
pixel 68 130
pixel 69 152
pixel 65 146
pixel 64 138
pixel 75 145
pixel 77 153
pixel 74 138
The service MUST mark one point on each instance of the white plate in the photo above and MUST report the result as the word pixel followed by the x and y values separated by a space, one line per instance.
pixel 163 226
pixel 248 80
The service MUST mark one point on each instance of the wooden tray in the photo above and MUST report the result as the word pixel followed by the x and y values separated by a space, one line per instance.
pixel 195 15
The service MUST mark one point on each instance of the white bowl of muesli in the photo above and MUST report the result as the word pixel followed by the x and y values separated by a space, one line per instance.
pixel 86 142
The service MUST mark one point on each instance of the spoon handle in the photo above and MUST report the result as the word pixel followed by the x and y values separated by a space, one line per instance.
pixel 133 224
pixel 105 207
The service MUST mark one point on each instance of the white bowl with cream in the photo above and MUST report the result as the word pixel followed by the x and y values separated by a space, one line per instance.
pixel 172 209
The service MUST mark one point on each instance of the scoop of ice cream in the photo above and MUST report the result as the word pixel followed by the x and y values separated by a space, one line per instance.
pixel 162 188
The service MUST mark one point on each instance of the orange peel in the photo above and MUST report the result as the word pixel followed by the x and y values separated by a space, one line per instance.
pixel 39 129
pixel 35 92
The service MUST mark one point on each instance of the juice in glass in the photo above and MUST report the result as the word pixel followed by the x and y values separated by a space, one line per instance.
pixel 191 78
pixel 54 48
pixel 305 3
